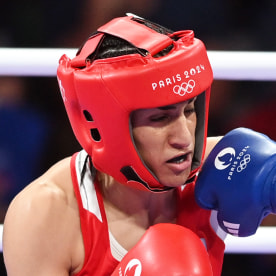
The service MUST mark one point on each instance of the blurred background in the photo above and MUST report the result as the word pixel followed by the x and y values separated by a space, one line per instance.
pixel 34 130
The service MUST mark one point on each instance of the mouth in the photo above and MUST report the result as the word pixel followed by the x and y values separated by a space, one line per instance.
pixel 178 159
pixel 180 163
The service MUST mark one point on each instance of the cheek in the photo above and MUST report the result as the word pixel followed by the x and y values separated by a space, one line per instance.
pixel 192 126
pixel 142 137
pixel 147 141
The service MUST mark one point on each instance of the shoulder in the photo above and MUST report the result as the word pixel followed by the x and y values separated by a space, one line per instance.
pixel 210 144
pixel 43 217
pixel 43 199
pixel 53 187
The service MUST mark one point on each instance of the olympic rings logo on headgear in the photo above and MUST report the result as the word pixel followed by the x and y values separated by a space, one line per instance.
pixel 243 164
pixel 184 88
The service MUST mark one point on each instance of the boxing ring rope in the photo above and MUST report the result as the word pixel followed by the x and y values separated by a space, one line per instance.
pixel 227 65
pixel 263 242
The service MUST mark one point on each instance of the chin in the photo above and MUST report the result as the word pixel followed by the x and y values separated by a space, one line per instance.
pixel 174 183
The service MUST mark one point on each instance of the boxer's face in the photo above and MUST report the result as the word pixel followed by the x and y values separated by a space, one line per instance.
pixel 165 139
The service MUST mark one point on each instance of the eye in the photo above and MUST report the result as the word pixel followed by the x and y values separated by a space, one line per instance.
pixel 189 111
pixel 190 108
pixel 159 118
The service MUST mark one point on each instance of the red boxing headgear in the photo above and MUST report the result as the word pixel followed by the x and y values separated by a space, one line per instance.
pixel 99 95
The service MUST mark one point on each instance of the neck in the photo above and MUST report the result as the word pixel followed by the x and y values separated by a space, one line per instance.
pixel 146 207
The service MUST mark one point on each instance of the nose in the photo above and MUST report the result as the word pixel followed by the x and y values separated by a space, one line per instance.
pixel 181 134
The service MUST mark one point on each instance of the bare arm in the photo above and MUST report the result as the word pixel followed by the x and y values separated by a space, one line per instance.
pixel 211 142
pixel 39 232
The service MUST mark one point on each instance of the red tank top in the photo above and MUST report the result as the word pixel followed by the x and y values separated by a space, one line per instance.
pixel 99 260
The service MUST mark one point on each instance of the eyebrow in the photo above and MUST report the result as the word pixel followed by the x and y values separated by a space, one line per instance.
pixel 167 107
pixel 172 106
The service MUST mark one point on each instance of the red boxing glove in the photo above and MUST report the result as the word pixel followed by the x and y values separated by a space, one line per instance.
pixel 166 249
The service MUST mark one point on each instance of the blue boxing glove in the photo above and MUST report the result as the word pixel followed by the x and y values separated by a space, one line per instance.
pixel 238 179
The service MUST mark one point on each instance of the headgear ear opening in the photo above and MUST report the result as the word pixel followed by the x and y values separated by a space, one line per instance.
pixel 100 95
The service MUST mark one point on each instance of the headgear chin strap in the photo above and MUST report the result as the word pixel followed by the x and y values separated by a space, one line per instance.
pixel 99 95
